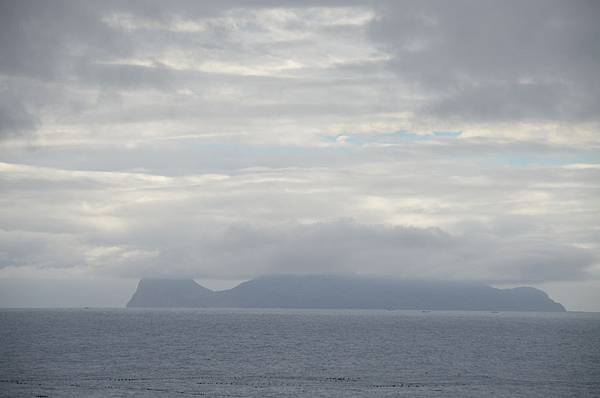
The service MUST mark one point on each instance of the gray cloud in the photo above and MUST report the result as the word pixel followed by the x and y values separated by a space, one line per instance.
pixel 44 40
pixel 245 251
pixel 39 250
pixel 127 77
pixel 346 247
pixel 494 60
pixel 16 117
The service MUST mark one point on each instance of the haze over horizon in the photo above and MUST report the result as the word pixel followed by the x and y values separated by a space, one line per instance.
pixel 225 141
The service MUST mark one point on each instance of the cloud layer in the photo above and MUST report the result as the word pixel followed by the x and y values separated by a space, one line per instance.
pixel 497 60
pixel 238 225
pixel 225 140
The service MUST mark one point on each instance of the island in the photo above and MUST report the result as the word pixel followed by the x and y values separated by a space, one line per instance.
pixel 341 292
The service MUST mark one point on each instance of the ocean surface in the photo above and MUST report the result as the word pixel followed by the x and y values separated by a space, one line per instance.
pixel 297 353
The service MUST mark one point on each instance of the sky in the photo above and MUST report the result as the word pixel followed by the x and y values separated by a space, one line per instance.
pixel 225 140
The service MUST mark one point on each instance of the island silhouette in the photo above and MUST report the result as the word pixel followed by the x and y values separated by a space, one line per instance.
pixel 341 292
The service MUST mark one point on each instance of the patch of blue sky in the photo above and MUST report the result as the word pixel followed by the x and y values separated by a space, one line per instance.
pixel 391 137
pixel 447 134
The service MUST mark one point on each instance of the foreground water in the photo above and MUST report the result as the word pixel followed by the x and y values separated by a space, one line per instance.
pixel 274 353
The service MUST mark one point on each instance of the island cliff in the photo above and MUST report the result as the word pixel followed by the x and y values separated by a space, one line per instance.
pixel 316 291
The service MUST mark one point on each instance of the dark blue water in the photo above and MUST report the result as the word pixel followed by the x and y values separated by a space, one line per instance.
pixel 270 353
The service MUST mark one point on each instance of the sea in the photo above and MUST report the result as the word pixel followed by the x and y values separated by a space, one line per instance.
pixel 297 353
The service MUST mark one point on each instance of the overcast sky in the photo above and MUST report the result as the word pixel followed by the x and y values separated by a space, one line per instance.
pixel 225 140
